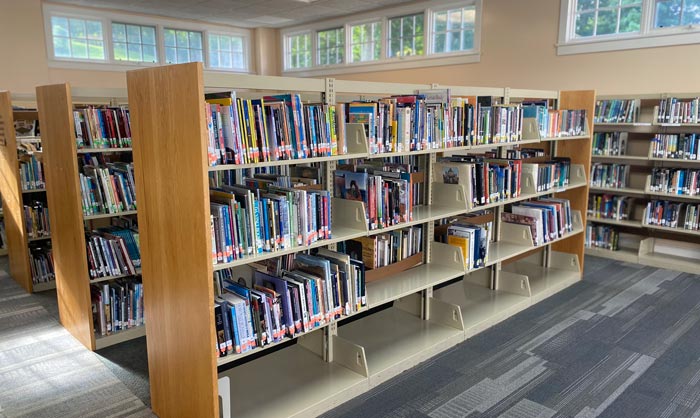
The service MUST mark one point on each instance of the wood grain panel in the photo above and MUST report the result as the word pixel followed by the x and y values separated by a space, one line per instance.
pixel 170 142
pixel 580 153
pixel 11 191
pixel 65 209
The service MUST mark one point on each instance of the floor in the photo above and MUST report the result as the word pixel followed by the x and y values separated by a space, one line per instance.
pixel 625 342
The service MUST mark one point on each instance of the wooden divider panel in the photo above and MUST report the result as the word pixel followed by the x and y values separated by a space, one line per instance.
pixel 170 157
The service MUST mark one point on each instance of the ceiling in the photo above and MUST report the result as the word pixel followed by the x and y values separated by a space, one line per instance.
pixel 244 13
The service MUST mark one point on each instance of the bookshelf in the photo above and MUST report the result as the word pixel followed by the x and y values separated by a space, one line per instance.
pixel 19 243
pixel 411 316
pixel 653 245
pixel 55 103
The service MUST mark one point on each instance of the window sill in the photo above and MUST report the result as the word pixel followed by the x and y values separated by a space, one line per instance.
pixel 629 42
pixel 387 65
pixel 122 66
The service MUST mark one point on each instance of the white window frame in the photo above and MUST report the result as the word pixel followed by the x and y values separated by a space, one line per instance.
pixel 647 37
pixel 477 33
pixel 111 41
pixel 312 52
pixel 428 59
pixel 317 51
pixel 246 50
pixel 348 39
pixel 426 37
pixel 107 17
pixel 205 48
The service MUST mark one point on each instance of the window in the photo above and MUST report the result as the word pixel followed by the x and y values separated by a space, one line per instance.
pixel 76 38
pixel 406 36
pixel 669 13
pixel 134 43
pixel 331 46
pixel 453 30
pixel 607 17
pixel 182 46
pixel 227 51
pixel 366 41
pixel 298 51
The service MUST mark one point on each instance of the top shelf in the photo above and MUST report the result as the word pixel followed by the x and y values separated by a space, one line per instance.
pixel 102 150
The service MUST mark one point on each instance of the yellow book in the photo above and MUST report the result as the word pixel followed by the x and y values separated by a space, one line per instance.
pixel 463 244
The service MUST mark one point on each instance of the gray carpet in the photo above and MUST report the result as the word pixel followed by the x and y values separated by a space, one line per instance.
pixel 625 342
pixel 45 372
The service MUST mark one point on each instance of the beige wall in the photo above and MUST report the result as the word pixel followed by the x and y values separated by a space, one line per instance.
pixel 518 50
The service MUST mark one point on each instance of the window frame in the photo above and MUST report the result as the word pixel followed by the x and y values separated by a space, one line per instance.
pixel 205 48
pixel 477 32
pixel 140 25
pixel 312 43
pixel 108 17
pixel 317 50
pixel 428 59
pixel 427 15
pixel 647 37
pixel 246 51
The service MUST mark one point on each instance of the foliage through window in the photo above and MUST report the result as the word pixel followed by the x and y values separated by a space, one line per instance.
pixel 182 46
pixel 331 46
pixel 134 43
pixel 669 13
pixel 76 38
pixel 226 51
pixel 366 42
pixel 453 30
pixel 406 36
pixel 299 51
pixel 607 17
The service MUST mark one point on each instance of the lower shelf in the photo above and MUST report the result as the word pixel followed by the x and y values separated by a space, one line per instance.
pixel 294 382
pixel 119 337
pixel 546 281
pixel 623 254
pixel 670 262
pixel 42 287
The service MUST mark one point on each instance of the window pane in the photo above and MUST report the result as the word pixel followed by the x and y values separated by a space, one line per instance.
pixel 169 37
pixel 238 61
pixel 149 53
pixel 196 55
pixel 148 35
pixel 213 43
pixel 394 47
pixel 607 3
pixel 118 32
pixel 213 57
pixel 77 28
pixel 668 13
pixel 440 42
pixel 196 40
pixel 419 50
pixel 407 27
pixel 440 21
pixel 225 43
pixel 226 61
pixel 395 27
pixel 94 29
pixel 630 19
pixel 582 5
pixel 584 24
pixel 119 51
pixel 61 47
pixel 170 55
pixel 79 48
pixel 467 40
pixel 628 2
pixel 607 22
pixel 182 39
pixel 133 34
pixel 135 52
pixel 691 12
pixel 96 49
pixel 454 41
pixel 183 55
pixel 455 19
pixel 59 26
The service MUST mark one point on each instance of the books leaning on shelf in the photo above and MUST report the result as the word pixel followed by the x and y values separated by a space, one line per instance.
pixel 601 236
pixel 554 123
pixel 36 219
pixel 485 180
pixel 110 252
pixel 679 147
pixel 106 187
pixel 249 220
pixel 41 265
pixel 616 111
pixel 117 306
pixel 678 181
pixel 610 143
pixel 610 206
pixel 550 174
pixel 548 219
pixel 614 176
pixel 316 290
pixel 102 127
pixel 273 128
pixel 678 111
pixel 525 153
pixel 663 213
pixel 31 173
pixel 472 233
pixel 385 249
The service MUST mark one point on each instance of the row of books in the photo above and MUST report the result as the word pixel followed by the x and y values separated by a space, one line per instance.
pixel 472 234
pixel 601 236
pixel 525 153
pixel 271 128
pixel 609 175
pixel 663 213
pixel 102 127
pixel 113 251
pixel 31 173
pixel 261 217
pixel 314 291
pixel 485 180
pixel 106 187
pixel 675 110
pixel 608 206
pixel 679 181
pixel 550 174
pixel 41 265
pixel 616 111
pixel 610 143
pixel 548 218
pixel 117 306
pixel 384 249
pixel 554 123
pixel 680 147
pixel 36 220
